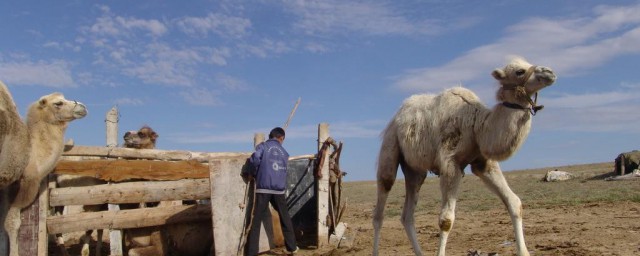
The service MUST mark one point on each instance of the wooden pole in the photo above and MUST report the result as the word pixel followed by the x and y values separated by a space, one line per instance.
pixel 293 111
pixel 112 127
pixel 257 139
pixel 323 189
pixel 111 122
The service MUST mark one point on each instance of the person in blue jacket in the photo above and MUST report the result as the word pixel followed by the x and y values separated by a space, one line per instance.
pixel 270 174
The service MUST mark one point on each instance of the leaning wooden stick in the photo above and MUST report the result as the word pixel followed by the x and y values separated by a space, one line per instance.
pixel 293 111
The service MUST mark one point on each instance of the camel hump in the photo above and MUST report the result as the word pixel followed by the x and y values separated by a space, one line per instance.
pixel 6 101
pixel 14 140
pixel 461 92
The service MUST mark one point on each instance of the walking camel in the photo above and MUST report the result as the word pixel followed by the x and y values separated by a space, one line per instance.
pixel 445 133
pixel 40 142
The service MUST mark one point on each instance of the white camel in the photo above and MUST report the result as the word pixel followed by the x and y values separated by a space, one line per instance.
pixel 46 122
pixel 445 133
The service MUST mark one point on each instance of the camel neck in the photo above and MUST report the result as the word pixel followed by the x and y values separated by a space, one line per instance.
pixel 503 131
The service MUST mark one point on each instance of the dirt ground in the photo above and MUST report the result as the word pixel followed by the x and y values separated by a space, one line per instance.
pixel 584 216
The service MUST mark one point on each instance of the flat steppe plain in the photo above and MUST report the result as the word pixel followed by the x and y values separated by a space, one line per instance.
pixel 583 216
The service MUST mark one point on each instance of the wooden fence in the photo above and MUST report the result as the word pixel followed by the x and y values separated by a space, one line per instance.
pixel 149 175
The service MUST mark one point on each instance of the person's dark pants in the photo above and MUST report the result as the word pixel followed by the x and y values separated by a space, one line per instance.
pixel 279 203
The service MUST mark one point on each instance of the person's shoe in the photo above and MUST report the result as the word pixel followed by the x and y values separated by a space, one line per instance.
pixel 292 252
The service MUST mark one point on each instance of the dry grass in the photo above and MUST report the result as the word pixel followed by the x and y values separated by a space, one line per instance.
pixel 583 216
pixel 588 187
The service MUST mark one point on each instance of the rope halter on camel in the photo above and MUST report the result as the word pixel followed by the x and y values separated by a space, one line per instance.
pixel 521 92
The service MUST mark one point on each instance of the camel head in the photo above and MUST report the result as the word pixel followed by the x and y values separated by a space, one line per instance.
pixel 131 139
pixel 55 109
pixel 143 138
pixel 520 80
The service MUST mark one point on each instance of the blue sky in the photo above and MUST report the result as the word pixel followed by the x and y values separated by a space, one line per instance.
pixel 207 75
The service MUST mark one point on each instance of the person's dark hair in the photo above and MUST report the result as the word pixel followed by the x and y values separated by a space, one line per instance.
pixel 276 133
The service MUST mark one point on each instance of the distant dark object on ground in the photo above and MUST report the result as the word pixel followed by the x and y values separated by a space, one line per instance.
pixel 627 162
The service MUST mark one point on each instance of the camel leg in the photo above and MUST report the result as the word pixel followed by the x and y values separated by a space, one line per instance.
pixel 60 242
pixel 388 161
pixel 86 242
pixel 12 226
pixel 99 242
pixel 449 183
pixel 490 173
pixel 413 182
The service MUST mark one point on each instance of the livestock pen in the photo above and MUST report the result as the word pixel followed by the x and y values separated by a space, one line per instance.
pixel 139 176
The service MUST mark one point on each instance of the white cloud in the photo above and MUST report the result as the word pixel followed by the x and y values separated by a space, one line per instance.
pixel 54 73
pixel 316 47
pixel 591 100
pixel 609 111
pixel 111 25
pixel 219 24
pixel 265 48
pixel 337 16
pixel 606 118
pixel 230 83
pixel 54 45
pixel 219 56
pixel 567 44
pixel 129 101
pixel 165 65
pixel 201 97
pixel 162 72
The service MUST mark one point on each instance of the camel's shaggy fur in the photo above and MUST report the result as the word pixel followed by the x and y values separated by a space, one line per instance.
pixel 445 133
pixel 46 121
pixel 14 140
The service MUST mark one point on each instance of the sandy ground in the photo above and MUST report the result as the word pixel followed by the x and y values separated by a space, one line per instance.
pixel 584 217
pixel 593 229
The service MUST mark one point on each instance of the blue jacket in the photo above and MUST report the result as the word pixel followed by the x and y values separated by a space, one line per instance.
pixel 270 162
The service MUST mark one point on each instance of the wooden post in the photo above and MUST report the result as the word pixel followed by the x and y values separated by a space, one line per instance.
pixel 228 208
pixel 111 122
pixel 28 233
pixel 43 236
pixel 257 139
pixel 112 127
pixel 323 189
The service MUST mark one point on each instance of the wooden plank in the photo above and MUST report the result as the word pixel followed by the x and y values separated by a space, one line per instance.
pixel 154 154
pixel 120 170
pixel 131 192
pixel 117 170
pixel 115 236
pixel 230 211
pixel 123 219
